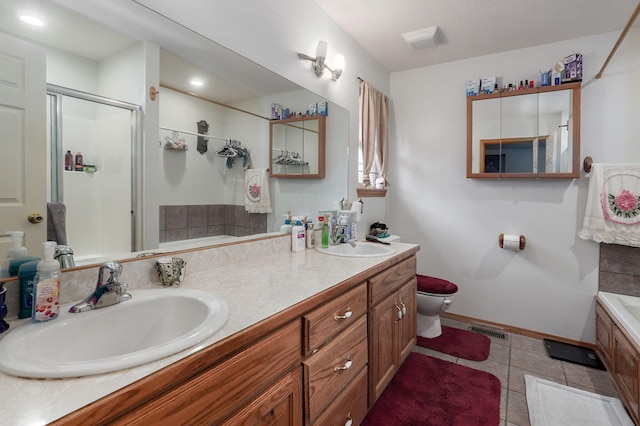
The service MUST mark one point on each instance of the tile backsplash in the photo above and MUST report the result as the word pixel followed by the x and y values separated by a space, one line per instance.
pixel 619 269
pixel 186 222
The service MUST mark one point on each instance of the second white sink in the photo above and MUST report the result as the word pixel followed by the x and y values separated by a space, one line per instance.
pixel 152 325
pixel 362 249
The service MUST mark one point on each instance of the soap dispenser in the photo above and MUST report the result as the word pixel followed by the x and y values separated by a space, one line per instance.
pixel 16 251
pixel 46 286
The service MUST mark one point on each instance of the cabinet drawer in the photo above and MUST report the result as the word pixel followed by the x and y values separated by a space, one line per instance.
pixel 391 279
pixel 329 370
pixel 351 404
pixel 334 316
pixel 217 392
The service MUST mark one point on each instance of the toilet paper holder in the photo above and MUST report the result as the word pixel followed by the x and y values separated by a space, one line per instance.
pixel 522 242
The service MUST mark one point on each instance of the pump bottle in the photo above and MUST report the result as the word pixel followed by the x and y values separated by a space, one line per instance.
pixel 46 286
pixel 325 232
pixel 16 251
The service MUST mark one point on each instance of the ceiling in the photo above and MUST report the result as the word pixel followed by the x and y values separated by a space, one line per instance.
pixel 228 76
pixel 471 28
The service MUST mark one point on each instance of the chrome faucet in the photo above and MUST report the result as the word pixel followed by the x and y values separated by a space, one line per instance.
pixel 106 293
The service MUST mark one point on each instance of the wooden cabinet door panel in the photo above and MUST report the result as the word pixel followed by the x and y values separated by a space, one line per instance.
pixel 604 337
pixel 383 352
pixel 626 370
pixel 216 393
pixel 407 335
pixel 280 405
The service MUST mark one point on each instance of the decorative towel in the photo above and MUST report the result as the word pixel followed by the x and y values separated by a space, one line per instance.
pixel 613 205
pixel 256 191
pixel 57 223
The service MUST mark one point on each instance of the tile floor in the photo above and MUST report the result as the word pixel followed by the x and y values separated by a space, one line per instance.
pixel 509 360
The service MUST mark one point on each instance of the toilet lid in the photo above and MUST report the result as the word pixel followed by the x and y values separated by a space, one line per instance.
pixel 435 285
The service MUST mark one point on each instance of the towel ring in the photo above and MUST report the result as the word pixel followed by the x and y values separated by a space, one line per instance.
pixel 586 164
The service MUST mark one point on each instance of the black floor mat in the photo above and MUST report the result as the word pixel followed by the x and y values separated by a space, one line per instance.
pixel 572 353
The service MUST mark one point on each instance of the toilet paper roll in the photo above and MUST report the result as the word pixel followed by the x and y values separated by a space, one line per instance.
pixel 512 242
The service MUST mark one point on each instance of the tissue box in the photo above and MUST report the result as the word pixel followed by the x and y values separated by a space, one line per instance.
pixel 572 68
pixel 473 87
pixel 488 85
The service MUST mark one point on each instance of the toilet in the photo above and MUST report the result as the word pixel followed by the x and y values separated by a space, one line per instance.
pixel 434 296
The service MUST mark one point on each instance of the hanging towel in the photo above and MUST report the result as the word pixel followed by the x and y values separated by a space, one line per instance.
pixel 613 205
pixel 256 191
pixel 57 223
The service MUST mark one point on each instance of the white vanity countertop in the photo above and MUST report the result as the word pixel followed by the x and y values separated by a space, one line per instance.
pixel 254 289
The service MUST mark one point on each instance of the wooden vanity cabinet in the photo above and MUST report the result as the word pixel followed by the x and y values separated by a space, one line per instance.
pixel 323 361
pixel 622 359
pixel 392 323
pixel 248 386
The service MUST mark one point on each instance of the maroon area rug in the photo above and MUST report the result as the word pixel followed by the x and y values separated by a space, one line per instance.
pixel 458 343
pixel 433 392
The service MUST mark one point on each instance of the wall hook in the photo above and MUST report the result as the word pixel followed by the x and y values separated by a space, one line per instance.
pixel 153 93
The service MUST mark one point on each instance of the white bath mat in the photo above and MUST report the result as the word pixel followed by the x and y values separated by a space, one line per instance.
pixel 552 404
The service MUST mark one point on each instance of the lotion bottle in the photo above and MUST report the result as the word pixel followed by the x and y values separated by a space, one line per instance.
pixel 298 240
pixel 46 286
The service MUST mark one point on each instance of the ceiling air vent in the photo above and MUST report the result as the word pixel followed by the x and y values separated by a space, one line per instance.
pixel 424 38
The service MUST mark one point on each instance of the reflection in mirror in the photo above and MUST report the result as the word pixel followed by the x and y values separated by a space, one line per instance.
pixel 85 55
pixel 529 134
pixel 298 147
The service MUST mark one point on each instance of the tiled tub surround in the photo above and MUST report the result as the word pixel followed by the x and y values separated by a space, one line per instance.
pixel 619 269
pixel 257 279
pixel 207 220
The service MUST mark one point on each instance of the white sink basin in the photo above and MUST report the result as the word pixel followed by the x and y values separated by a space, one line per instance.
pixel 362 249
pixel 152 325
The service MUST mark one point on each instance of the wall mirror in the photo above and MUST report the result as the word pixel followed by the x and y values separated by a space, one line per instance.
pixel 90 39
pixel 530 133
pixel 297 147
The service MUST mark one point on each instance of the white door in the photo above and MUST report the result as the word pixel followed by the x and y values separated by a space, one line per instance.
pixel 23 148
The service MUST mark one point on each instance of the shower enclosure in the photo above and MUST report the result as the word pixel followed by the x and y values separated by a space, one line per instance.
pixel 101 203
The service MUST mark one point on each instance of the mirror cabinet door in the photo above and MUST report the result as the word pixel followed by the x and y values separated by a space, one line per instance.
pixel 297 147
pixel 534 134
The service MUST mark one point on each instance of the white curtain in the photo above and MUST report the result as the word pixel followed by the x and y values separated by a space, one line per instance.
pixel 374 131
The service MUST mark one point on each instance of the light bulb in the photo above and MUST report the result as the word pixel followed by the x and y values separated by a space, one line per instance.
pixel 321 50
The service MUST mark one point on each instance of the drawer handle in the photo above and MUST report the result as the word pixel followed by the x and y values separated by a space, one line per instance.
pixel 345 316
pixel 399 311
pixel 404 308
pixel 346 366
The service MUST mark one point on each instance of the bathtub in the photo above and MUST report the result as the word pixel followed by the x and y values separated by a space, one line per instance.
pixel 626 309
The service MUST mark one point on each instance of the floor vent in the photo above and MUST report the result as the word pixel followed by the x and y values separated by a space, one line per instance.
pixel 491 332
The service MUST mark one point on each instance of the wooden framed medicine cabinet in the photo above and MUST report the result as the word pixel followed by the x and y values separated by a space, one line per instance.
pixel 297 147
pixel 529 133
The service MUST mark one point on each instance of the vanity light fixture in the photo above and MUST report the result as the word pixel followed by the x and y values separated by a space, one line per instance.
pixel 32 20
pixel 319 64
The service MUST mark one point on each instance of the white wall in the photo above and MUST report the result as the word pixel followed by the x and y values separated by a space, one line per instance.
pixel 271 34
pixel 549 287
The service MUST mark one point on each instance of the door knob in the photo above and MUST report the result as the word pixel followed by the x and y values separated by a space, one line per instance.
pixel 35 218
